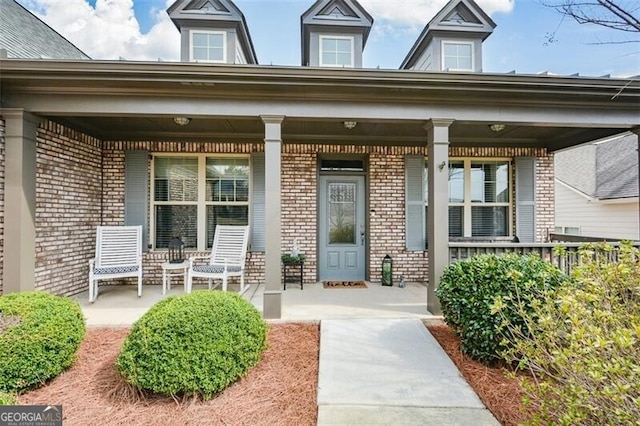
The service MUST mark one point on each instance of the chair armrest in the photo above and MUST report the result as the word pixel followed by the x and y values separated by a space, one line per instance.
pixel 92 262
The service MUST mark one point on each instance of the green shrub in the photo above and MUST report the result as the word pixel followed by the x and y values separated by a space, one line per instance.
pixel 472 291
pixel 197 343
pixel 40 338
pixel 583 343
pixel 7 398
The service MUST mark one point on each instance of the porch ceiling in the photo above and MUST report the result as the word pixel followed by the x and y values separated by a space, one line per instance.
pixel 378 132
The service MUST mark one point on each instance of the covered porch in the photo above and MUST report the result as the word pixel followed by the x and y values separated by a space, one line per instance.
pixel 118 305
pixel 292 119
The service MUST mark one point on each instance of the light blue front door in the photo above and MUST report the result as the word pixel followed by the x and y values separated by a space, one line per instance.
pixel 342 238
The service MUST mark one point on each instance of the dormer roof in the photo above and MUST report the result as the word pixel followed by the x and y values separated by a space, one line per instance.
pixel 458 18
pixel 333 16
pixel 208 14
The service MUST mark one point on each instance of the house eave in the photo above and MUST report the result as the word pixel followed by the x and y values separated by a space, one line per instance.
pixel 616 90
pixel 542 111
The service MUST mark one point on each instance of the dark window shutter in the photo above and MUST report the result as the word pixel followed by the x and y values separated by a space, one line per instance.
pixel 526 199
pixel 257 202
pixel 415 204
pixel 136 192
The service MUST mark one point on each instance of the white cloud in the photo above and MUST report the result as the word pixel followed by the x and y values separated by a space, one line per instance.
pixel 419 12
pixel 110 29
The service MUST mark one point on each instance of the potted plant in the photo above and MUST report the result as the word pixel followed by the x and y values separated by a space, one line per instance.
pixel 289 258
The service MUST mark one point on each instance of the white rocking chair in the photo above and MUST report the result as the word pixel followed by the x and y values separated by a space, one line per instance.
pixel 118 255
pixel 227 258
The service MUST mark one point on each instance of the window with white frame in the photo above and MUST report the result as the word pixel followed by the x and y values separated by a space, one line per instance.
pixel 208 46
pixel 336 51
pixel 457 56
pixel 191 195
pixel 479 198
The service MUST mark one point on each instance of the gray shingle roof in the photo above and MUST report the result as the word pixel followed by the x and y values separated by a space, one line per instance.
pixel 24 35
pixel 617 168
pixel 604 170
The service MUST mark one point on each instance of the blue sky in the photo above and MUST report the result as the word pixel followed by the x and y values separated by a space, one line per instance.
pixel 139 30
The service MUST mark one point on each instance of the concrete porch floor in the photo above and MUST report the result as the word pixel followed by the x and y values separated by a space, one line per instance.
pixel 120 305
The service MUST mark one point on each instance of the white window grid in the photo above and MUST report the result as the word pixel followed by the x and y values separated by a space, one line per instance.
pixel 192 33
pixel 467 202
pixel 201 202
pixel 351 51
pixel 457 43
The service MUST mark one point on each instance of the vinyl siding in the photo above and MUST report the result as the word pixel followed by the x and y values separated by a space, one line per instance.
pixel 595 219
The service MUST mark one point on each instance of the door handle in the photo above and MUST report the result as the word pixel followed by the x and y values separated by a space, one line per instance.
pixel 362 238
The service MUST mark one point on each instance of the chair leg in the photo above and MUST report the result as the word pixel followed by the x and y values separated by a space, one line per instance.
pixel 92 297
pixel 224 282
pixel 140 285
pixel 189 281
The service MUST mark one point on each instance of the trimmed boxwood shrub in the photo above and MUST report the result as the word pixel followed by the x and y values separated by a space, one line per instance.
pixel 478 293
pixel 197 343
pixel 40 336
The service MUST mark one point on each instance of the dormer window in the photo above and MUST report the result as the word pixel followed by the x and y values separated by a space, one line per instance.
pixel 208 46
pixel 336 51
pixel 457 56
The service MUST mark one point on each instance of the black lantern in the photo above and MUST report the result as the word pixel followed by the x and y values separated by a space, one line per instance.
pixel 176 250
pixel 387 271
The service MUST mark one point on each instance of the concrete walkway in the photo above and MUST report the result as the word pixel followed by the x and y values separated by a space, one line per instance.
pixel 379 365
pixel 391 372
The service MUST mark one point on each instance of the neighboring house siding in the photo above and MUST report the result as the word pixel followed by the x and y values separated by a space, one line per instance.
pixel 596 219
pixel 67 207
pixel 2 130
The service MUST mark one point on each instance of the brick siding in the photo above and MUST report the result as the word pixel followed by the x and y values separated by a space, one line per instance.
pixel 72 169
pixel 67 207
pixel 545 197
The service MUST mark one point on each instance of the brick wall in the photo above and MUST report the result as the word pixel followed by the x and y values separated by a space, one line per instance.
pixel 67 207
pixel 69 204
pixel 113 152
pixel 299 205
pixel 2 130
pixel 545 197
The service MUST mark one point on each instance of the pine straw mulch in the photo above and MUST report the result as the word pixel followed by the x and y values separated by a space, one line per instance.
pixel 501 394
pixel 281 389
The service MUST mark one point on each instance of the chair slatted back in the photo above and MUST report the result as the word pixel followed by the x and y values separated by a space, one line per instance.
pixel 230 245
pixel 118 246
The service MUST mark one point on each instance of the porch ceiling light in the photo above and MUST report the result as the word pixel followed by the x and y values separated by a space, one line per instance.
pixel 181 121
pixel 350 124
pixel 497 127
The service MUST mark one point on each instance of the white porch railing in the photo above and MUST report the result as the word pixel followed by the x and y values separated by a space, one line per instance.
pixel 564 261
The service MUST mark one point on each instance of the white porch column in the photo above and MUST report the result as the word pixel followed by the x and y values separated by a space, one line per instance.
pixel 273 233
pixel 19 201
pixel 438 174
